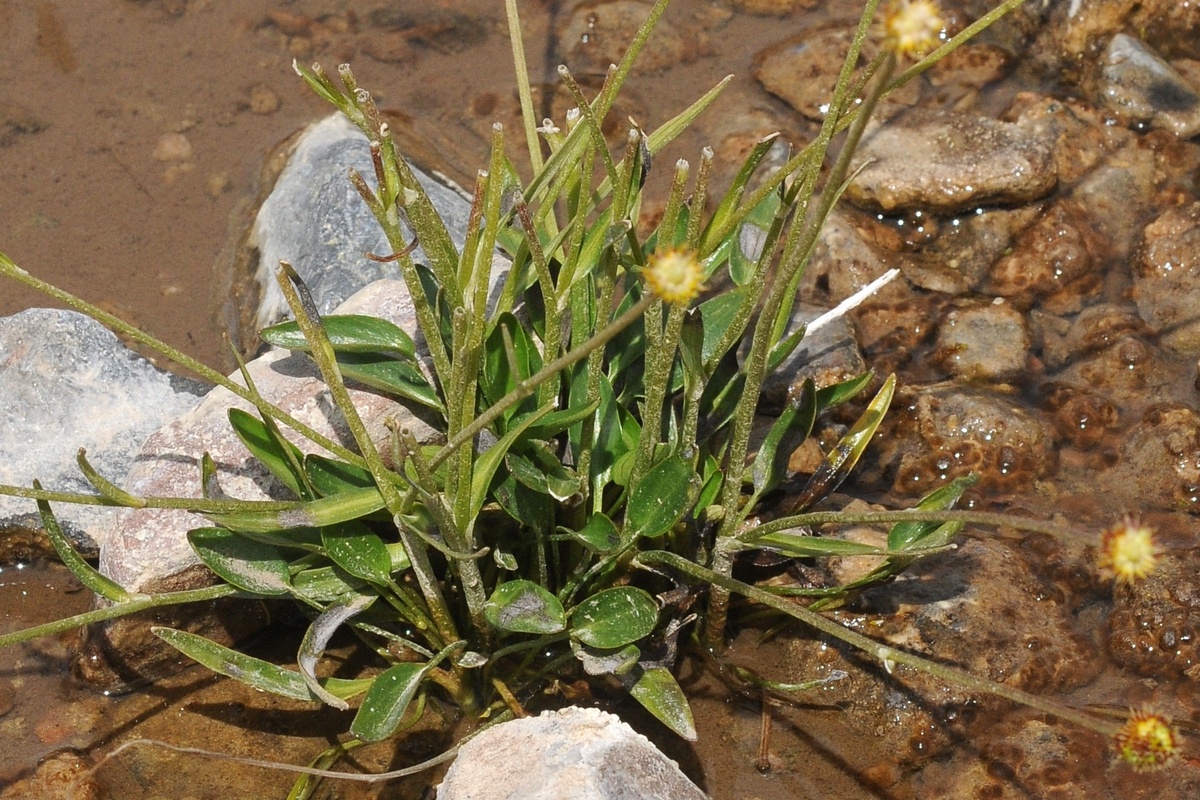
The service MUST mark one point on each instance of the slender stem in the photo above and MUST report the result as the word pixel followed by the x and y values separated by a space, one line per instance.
pixel 887 655
pixel 135 604
pixel 911 515
pixel 530 384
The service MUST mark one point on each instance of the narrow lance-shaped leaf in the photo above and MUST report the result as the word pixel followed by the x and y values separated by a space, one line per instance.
pixel 357 549
pixel 906 535
pixel 254 672
pixel 318 635
pixel 87 574
pixel 348 333
pixel 660 499
pixel 836 466
pixel 388 698
pixel 258 439
pixel 791 428
pixel 250 565
pixel 489 461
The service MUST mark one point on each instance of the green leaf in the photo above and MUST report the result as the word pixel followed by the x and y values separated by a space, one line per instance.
pixel 556 422
pixel 247 564
pixel 718 313
pixel 348 333
pixel 540 469
pixel 392 377
pixel 386 701
pixel 358 550
pixel 323 585
pixel 658 691
pixel 907 535
pixel 599 534
pixel 799 545
pixel 259 441
pixel 713 480
pixel 523 606
pixel 341 507
pixel 88 575
pixel 329 477
pixel 509 358
pixel 613 618
pixel 319 632
pixel 836 466
pixel 842 391
pixel 489 460
pixel 254 672
pixel 535 510
pixel 661 498
pixel 791 428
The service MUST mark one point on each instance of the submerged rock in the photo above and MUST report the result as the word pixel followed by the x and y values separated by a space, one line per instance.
pixel 1140 87
pixel 581 753
pixel 983 341
pixel 1167 278
pixel 937 433
pixel 1154 627
pixel 946 162
pixel 67 383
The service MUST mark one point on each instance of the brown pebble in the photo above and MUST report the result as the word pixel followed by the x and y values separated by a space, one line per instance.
pixel 173 147
pixel 263 100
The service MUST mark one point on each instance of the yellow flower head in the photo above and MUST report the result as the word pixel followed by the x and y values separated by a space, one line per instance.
pixel 914 26
pixel 1147 741
pixel 1127 550
pixel 675 275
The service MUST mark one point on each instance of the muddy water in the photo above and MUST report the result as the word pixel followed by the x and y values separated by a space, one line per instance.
pixel 132 136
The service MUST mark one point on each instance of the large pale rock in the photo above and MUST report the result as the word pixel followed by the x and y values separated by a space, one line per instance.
pixel 66 383
pixel 580 753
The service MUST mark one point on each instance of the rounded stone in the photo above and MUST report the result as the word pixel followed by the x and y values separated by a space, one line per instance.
pixel 983 341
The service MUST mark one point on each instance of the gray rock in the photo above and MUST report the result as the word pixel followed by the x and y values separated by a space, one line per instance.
pixel 983 341
pixel 946 162
pixel 1160 462
pixel 828 355
pixel 1167 278
pixel 66 383
pixel 315 220
pixel 581 753
pixel 1141 88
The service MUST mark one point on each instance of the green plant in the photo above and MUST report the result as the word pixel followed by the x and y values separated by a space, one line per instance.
pixel 596 431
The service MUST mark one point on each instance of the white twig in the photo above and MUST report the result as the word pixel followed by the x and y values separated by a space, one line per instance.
pixel 851 302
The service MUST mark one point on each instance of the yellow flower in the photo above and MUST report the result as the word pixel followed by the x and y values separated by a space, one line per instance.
pixel 1127 550
pixel 675 275
pixel 914 26
pixel 1147 741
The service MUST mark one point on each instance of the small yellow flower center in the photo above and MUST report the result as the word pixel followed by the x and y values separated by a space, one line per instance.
pixel 1127 551
pixel 674 275
pixel 1147 741
pixel 914 26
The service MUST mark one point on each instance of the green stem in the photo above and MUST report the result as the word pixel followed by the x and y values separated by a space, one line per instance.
pixel 991 519
pixel 885 654
pixel 132 606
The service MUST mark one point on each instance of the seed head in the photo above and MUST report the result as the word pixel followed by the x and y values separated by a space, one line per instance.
pixel 1127 550
pixel 1147 741
pixel 914 26
pixel 675 275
